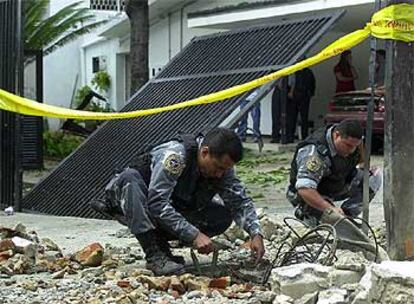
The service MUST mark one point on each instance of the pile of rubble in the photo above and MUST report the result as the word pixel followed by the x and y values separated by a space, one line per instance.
pixel 34 270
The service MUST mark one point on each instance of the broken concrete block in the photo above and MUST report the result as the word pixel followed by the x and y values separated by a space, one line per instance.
pixel 310 298
pixel 388 282
pixel 348 260
pixel 283 299
pixel 340 277
pixel 333 296
pixel 91 255
pixel 297 280
pixel 300 279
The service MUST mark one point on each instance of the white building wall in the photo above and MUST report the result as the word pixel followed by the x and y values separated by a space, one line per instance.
pixel 62 68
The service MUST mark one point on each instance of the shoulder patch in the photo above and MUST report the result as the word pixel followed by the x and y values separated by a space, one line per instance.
pixel 174 164
pixel 313 163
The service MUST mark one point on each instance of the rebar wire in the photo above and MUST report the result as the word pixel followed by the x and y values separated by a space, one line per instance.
pixel 301 252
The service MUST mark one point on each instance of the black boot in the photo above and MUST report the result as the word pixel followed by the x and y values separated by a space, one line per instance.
pixel 157 260
pixel 165 247
pixel 105 208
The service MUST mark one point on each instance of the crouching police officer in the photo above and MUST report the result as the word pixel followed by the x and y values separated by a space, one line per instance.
pixel 324 170
pixel 183 189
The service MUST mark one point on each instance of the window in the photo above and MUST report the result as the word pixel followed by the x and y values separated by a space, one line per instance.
pixel 107 5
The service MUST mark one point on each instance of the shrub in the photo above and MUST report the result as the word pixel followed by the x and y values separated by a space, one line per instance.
pixel 102 81
pixel 59 144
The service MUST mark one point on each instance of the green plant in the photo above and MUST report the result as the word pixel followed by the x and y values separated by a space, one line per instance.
pixel 102 81
pixel 59 144
pixel 48 33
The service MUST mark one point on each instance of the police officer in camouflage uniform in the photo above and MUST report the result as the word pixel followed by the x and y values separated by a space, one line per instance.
pixel 324 170
pixel 183 189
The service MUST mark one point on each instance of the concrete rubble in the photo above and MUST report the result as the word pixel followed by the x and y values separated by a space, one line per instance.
pixel 36 270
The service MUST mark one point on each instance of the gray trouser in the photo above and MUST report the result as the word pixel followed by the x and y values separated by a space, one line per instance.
pixel 129 191
pixel 352 204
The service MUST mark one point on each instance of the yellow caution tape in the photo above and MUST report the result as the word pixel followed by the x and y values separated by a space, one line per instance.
pixel 393 22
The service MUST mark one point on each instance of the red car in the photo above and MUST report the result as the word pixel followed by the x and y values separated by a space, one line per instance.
pixel 353 105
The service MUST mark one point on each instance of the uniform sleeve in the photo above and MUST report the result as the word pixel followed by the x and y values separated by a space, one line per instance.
pixel 167 166
pixel 311 167
pixel 241 206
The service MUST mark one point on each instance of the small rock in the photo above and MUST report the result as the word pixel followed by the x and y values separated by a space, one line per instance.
pixel 59 274
pixel 176 285
pixel 216 294
pixel 5 255
pixel 30 285
pixel 6 244
pixel 22 245
pixel 260 213
pixel 221 283
pixel 50 245
pixel 91 255
pixel 175 294
pixel 9 211
pixel 124 284
pixel 194 294
pixel 20 228
pixel 265 297
pixel 235 232
pixel 158 283
pixel 269 227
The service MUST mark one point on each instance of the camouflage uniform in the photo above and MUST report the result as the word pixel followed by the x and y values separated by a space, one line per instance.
pixel 318 166
pixel 202 204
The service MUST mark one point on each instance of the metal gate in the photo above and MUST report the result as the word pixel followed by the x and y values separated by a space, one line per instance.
pixel 11 79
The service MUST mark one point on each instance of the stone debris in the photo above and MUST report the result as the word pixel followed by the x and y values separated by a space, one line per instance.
pixel 9 211
pixel 298 280
pixel 34 270
pixel 91 255
pixel 388 282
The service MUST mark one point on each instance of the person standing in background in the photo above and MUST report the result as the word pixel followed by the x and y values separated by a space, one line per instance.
pixel 345 73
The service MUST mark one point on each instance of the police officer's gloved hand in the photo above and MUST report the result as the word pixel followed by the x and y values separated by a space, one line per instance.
pixel 332 215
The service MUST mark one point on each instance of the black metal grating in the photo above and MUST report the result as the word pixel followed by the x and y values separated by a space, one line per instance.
pixel 83 175
pixel 10 69
pixel 31 126
pixel 261 47
pixel 107 5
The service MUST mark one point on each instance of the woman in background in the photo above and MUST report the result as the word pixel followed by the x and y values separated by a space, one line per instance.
pixel 345 73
